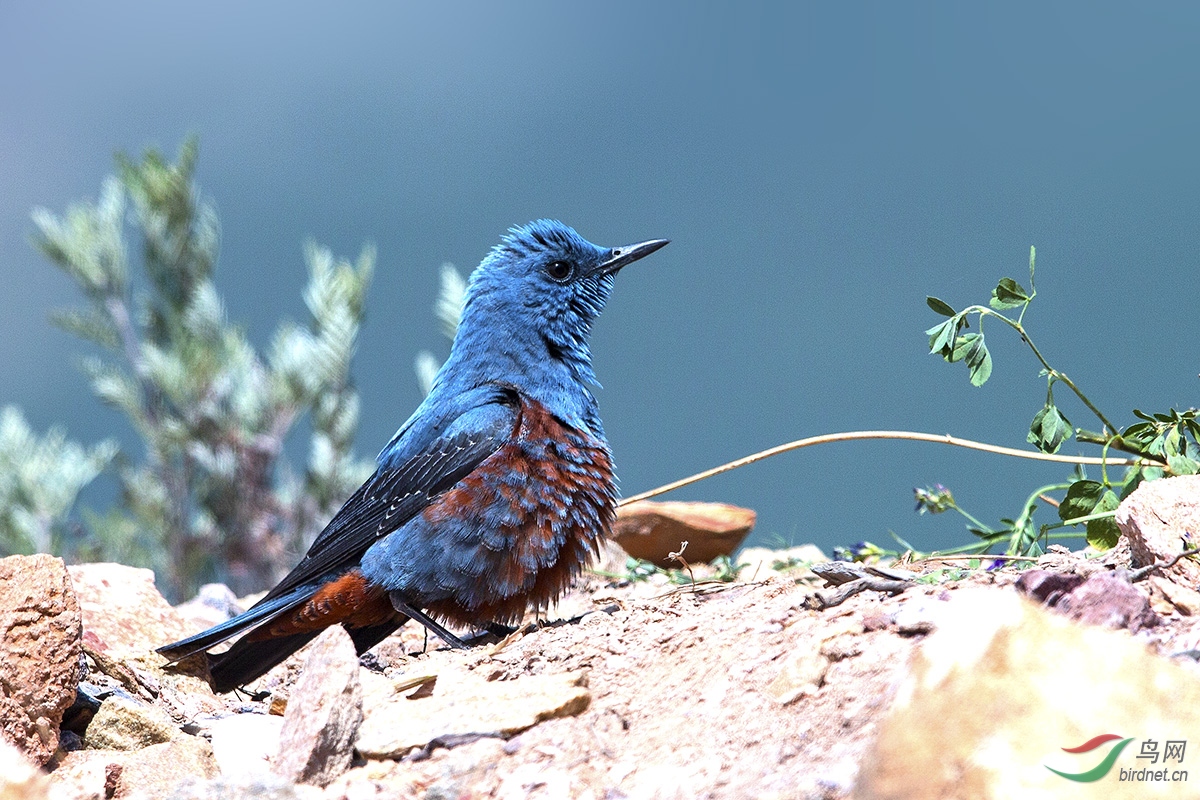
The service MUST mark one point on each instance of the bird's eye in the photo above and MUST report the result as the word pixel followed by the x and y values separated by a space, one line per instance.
pixel 560 271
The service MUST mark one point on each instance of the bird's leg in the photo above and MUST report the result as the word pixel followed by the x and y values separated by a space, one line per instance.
pixel 498 630
pixel 429 622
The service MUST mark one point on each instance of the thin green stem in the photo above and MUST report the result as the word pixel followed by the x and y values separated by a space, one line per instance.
pixel 1117 443
pixel 1020 540
pixel 1057 375
pixel 981 547
pixel 971 518
pixel 1081 520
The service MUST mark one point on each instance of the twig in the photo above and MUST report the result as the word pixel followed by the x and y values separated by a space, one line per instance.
pixel 852 436
pixel 820 602
pixel 1144 572
pixel 679 557
pixel 1045 498
pixel 855 578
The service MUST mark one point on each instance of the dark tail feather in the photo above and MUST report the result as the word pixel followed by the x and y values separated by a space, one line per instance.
pixel 264 611
pixel 247 660
pixel 366 638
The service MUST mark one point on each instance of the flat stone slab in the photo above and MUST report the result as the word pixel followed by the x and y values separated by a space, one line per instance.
pixel 463 704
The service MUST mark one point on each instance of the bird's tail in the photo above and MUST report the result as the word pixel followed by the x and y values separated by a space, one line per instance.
pixel 250 658
pixel 264 611
pixel 255 654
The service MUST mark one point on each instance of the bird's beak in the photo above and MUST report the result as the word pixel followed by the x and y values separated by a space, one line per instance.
pixel 620 256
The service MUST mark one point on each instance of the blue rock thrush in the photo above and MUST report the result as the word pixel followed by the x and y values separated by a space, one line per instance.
pixel 494 494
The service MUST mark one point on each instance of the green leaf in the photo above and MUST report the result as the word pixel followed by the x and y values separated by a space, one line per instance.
pixel 1081 499
pixel 941 338
pixel 1102 534
pixel 940 306
pixel 1049 429
pixel 1008 294
pixel 1182 465
pixel 970 348
pixel 1140 434
pixel 979 362
pixel 962 345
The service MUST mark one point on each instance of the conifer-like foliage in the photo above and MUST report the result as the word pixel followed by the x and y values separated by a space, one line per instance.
pixel 211 497
pixel 448 308
pixel 40 477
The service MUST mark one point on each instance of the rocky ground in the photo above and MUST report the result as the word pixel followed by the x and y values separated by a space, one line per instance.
pixel 967 683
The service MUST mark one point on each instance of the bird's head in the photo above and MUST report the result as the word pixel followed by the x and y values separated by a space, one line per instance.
pixel 537 293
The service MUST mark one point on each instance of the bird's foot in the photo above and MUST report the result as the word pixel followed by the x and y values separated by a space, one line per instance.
pixel 429 622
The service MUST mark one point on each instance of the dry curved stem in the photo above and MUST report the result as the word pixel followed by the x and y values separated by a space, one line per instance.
pixel 853 578
pixel 1139 574
pixel 852 436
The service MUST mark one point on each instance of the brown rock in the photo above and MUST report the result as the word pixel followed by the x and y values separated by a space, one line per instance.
pixel 124 620
pixel 323 713
pixel 1046 586
pixel 1111 602
pixel 1160 520
pixel 124 610
pixel 39 652
pixel 650 530
pixel 20 778
pixel 996 693
pixel 1099 599
pixel 463 704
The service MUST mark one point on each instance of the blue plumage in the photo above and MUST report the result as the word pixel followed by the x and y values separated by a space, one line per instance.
pixel 491 497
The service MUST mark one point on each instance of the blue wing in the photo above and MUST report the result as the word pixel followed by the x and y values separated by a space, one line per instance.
pixel 431 453
pixel 434 450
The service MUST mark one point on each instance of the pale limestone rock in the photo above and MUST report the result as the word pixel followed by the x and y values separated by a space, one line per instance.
pixel 123 724
pixel 1160 520
pixel 262 787
pixel 84 774
pixel 20 778
pixel 1181 599
pixel 213 604
pixel 801 675
pixel 760 563
pixel 244 744
pixel 157 771
pixel 462 704
pixel 1002 686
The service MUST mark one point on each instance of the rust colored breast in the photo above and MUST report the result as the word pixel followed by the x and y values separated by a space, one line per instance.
pixel 524 524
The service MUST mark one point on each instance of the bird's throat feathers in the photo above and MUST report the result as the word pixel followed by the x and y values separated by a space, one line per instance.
pixel 542 357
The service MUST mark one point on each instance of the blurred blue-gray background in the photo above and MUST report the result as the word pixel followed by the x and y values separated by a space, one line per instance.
pixel 820 168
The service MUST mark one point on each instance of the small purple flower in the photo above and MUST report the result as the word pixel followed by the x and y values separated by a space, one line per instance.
pixel 935 499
